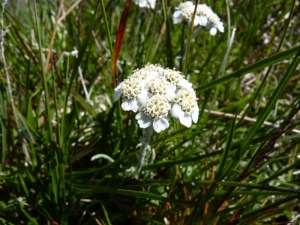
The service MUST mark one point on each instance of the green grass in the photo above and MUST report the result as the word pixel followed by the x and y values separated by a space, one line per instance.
pixel 233 168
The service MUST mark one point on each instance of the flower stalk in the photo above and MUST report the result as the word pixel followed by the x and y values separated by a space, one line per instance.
pixel 144 147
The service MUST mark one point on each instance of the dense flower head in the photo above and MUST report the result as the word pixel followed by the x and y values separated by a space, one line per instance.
pixel 204 16
pixel 156 107
pixel 157 93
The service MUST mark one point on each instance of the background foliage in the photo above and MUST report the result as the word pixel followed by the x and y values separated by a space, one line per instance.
pixel 236 168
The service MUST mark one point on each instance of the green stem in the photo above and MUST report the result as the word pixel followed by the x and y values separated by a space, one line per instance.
pixel 144 147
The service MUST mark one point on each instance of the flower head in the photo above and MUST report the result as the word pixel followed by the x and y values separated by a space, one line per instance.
pixel 185 107
pixel 184 13
pixel 154 111
pixel 155 92
pixel 204 16
pixel 132 91
pixel 145 3
pixel 210 20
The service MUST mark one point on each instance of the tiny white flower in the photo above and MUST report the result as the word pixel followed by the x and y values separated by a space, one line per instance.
pixel 145 3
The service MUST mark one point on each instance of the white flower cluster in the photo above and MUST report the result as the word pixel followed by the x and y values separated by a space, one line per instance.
pixel 204 16
pixel 155 92
pixel 145 3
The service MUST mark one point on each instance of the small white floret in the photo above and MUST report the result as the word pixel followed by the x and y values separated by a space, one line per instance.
pixel 118 92
pixel 160 124
pixel 144 121
pixel 130 104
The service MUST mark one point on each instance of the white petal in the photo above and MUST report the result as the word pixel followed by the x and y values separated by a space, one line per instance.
pixel 177 17
pixel 176 111
pixel 151 75
pixel 117 92
pixel 160 124
pixel 208 25
pixel 143 96
pixel 130 104
pixel 220 27
pixel 171 93
pixel 186 120
pixel 203 20
pixel 195 114
pixel 143 120
pixel 185 84
pixel 213 31
pixel 197 21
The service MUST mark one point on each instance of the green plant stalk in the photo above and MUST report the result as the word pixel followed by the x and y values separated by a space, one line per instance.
pixel 3 119
pixel 168 39
pixel 49 120
pixel 144 146
pixel 185 57
pixel 106 26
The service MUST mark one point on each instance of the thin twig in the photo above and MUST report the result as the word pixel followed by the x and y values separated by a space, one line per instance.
pixel 246 118
pixel 58 21
pixel 84 87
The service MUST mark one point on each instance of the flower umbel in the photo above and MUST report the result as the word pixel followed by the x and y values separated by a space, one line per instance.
pixel 154 91
pixel 157 93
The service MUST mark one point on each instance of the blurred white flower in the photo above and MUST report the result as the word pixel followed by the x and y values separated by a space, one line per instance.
pixel 184 13
pixel 210 20
pixel 145 3
pixel 204 16
pixel 155 92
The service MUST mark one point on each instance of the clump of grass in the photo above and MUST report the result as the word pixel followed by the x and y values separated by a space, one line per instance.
pixel 237 165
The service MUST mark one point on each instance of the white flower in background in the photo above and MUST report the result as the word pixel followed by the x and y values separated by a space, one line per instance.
pixel 155 92
pixel 184 13
pixel 145 3
pixel 204 16
pixel 209 19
